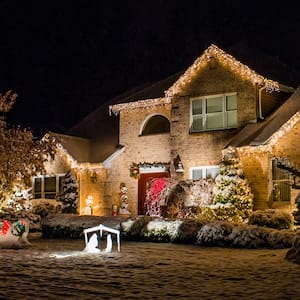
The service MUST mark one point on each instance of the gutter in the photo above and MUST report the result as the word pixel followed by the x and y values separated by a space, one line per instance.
pixel 259 102
pixel 282 88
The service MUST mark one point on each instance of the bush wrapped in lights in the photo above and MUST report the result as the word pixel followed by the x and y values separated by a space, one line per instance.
pixel 232 189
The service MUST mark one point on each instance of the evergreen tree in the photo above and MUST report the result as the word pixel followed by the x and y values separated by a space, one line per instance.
pixel 232 188
pixel 69 196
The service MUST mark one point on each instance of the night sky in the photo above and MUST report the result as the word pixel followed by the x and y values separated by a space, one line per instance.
pixel 65 58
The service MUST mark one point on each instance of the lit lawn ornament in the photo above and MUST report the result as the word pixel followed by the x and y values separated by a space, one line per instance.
pixel 92 242
pixel 14 235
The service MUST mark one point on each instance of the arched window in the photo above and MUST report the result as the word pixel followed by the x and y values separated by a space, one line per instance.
pixel 156 124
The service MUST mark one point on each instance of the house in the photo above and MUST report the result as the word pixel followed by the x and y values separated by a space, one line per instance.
pixel 179 126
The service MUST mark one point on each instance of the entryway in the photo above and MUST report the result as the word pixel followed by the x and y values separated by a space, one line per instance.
pixel 142 187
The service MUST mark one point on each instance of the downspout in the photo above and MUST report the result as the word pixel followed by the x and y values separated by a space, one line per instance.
pixel 259 102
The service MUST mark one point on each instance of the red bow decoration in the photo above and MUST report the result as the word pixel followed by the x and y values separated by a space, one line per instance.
pixel 5 227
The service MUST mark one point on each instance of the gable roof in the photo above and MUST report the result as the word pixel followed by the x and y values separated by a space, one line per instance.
pixel 269 66
pixel 228 61
pixel 103 130
pixel 270 129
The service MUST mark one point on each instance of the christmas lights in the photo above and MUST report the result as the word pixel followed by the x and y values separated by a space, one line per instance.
pixel 212 52
pixel 225 60
pixel 146 104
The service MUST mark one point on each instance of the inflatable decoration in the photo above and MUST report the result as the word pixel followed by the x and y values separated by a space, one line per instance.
pixel 14 235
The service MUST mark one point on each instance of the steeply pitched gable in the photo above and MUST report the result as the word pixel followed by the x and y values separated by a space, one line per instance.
pixel 228 61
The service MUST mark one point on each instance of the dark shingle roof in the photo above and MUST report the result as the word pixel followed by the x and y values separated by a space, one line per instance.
pixel 268 66
pixel 259 133
pixel 103 130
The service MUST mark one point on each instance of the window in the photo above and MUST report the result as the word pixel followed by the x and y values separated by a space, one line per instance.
pixel 214 112
pixel 281 180
pixel 156 124
pixel 47 186
pixel 205 172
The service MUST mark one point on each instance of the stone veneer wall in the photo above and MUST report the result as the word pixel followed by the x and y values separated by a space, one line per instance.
pixel 138 149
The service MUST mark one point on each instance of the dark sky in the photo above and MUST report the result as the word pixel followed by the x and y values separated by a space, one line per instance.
pixel 65 58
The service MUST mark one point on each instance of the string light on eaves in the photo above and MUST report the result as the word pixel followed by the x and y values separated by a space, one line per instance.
pixel 225 60
pixel 144 104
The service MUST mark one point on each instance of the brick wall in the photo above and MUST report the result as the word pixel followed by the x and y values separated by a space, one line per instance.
pixel 204 148
pixel 257 166
pixel 138 149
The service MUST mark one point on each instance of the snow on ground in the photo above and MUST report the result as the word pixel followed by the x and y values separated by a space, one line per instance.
pixel 146 271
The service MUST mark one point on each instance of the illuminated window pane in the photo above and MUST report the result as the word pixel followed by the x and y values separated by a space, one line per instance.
pixel 197 174
pixel 214 105
pixel 232 119
pixel 50 187
pixel 231 102
pixel 197 123
pixel 37 187
pixel 212 172
pixel 197 107
pixel 215 121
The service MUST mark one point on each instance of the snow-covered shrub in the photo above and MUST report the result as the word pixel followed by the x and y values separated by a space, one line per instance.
pixel 133 228
pixel 126 225
pixel 280 239
pixel 45 207
pixel 187 231
pixel 231 186
pixel 296 213
pixel 69 195
pixel 214 234
pixel 249 236
pixel 293 255
pixel 271 218
pixel 162 230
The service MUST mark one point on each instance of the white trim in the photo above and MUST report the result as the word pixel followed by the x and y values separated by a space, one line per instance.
pixel 42 177
pixel 204 114
pixel 203 168
pixel 109 160
pixel 152 170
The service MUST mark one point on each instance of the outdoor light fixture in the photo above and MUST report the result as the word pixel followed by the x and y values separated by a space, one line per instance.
pixel 179 168
pixel 178 165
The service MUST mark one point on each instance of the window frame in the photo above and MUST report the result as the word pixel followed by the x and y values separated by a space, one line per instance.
pixel 42 191
pixel 204 171
pixel 204 114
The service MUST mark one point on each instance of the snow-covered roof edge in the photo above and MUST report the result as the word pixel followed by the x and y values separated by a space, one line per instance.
pixel 226 60
pixel 138 104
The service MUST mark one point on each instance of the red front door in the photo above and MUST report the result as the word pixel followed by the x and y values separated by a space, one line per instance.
pixel 142 186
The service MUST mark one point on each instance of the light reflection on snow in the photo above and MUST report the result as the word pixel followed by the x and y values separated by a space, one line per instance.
pixel 60 269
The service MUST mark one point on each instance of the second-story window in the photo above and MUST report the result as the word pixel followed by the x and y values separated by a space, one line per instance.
pixel 213 112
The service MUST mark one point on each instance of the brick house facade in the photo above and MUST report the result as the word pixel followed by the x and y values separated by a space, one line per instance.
pixel 191 118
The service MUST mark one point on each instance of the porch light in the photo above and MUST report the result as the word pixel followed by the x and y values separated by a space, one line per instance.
pixel 179 168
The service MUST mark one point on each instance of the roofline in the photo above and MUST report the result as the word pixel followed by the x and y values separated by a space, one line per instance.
pixel 116 108
pixel 226 60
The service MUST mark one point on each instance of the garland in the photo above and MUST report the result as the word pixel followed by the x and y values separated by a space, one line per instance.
pixel 135 167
